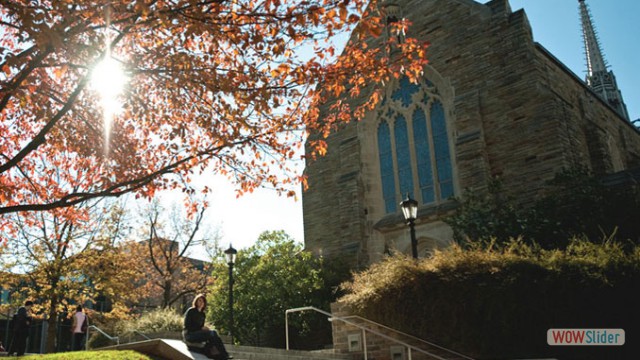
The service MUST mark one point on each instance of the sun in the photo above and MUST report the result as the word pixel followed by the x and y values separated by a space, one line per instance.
pixel 108 79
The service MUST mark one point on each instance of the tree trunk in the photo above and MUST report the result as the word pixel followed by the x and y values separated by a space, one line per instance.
pixel 52 329
pixel 166 296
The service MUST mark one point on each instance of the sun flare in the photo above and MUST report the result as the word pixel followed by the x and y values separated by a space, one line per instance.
pixel 108 79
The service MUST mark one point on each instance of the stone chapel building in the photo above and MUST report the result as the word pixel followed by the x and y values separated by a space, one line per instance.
pixel 492 103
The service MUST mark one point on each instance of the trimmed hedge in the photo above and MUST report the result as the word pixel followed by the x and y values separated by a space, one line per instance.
pixel 498 303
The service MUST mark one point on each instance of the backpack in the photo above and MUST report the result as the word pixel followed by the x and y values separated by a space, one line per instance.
pixel 85 324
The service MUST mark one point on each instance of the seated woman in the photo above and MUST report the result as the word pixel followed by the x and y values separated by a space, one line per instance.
pixel 196 331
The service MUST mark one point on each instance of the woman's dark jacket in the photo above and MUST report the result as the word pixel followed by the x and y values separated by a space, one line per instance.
pixel 193 320
pixel 22 321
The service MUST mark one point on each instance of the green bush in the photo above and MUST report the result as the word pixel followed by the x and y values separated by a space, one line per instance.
pixel 496 302
pixel 156 321
pixel 161 320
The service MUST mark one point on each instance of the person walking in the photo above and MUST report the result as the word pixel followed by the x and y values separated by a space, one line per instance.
pixel 79 325
pixel 21 324
pixel 196 331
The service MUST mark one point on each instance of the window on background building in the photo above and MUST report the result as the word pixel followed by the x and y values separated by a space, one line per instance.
pixel 412 122
pixel 4 296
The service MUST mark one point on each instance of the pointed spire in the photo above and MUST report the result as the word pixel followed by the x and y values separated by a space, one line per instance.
pixel 601 81
pixel 595 59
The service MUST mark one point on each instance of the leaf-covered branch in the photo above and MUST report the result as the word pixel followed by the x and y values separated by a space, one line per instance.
pixel 222 87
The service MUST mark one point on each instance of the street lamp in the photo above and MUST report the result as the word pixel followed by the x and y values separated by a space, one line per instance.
pixel 410 211
pixel 390 10
pixel 230 253
pixel 392 14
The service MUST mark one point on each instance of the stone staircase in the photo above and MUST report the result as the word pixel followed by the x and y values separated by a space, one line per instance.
pixel 381 343
pixel 255 353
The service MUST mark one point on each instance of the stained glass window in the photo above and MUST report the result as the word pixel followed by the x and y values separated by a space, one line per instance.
pixel 423 155
pixel 386 167
pixel 405 91
pixel 404 157
pixel 417 125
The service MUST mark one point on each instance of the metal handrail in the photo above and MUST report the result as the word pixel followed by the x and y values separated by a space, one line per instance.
pixel 141 334
pixel 406 335
pixel 112 338
pixel 364 330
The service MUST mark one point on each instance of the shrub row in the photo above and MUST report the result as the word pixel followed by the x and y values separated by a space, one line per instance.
pixel 498 302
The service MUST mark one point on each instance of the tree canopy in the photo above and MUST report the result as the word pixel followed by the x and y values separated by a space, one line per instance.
pixel 273 275
pixel 229 86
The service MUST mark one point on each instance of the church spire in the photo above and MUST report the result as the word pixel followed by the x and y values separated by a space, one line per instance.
pixel 601 81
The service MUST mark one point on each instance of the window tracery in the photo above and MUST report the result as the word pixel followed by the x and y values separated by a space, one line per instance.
pixel 413 145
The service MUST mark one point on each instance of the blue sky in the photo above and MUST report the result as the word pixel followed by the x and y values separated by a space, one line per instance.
pixel 555 24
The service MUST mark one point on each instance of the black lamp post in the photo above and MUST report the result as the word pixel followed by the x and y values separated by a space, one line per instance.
pixel 410 211
pixel 231 259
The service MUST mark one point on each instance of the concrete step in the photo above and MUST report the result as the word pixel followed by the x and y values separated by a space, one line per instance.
pixel 260 353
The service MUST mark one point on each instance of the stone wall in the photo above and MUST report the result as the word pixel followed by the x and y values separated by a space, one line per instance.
pixel 333 203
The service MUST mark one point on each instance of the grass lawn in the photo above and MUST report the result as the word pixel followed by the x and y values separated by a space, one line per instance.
pixel 100 355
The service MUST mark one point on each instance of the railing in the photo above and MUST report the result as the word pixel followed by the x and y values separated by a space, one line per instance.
pixel 141 334
pixel 112 338
pixel 365 330
pixel 406 335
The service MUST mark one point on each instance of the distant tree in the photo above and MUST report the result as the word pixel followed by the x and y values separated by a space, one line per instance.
pixel 171 237
pixel 59 262
pixel 273 275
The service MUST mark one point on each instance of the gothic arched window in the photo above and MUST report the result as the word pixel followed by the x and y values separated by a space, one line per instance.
pixel 413 146
pixel 386 166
